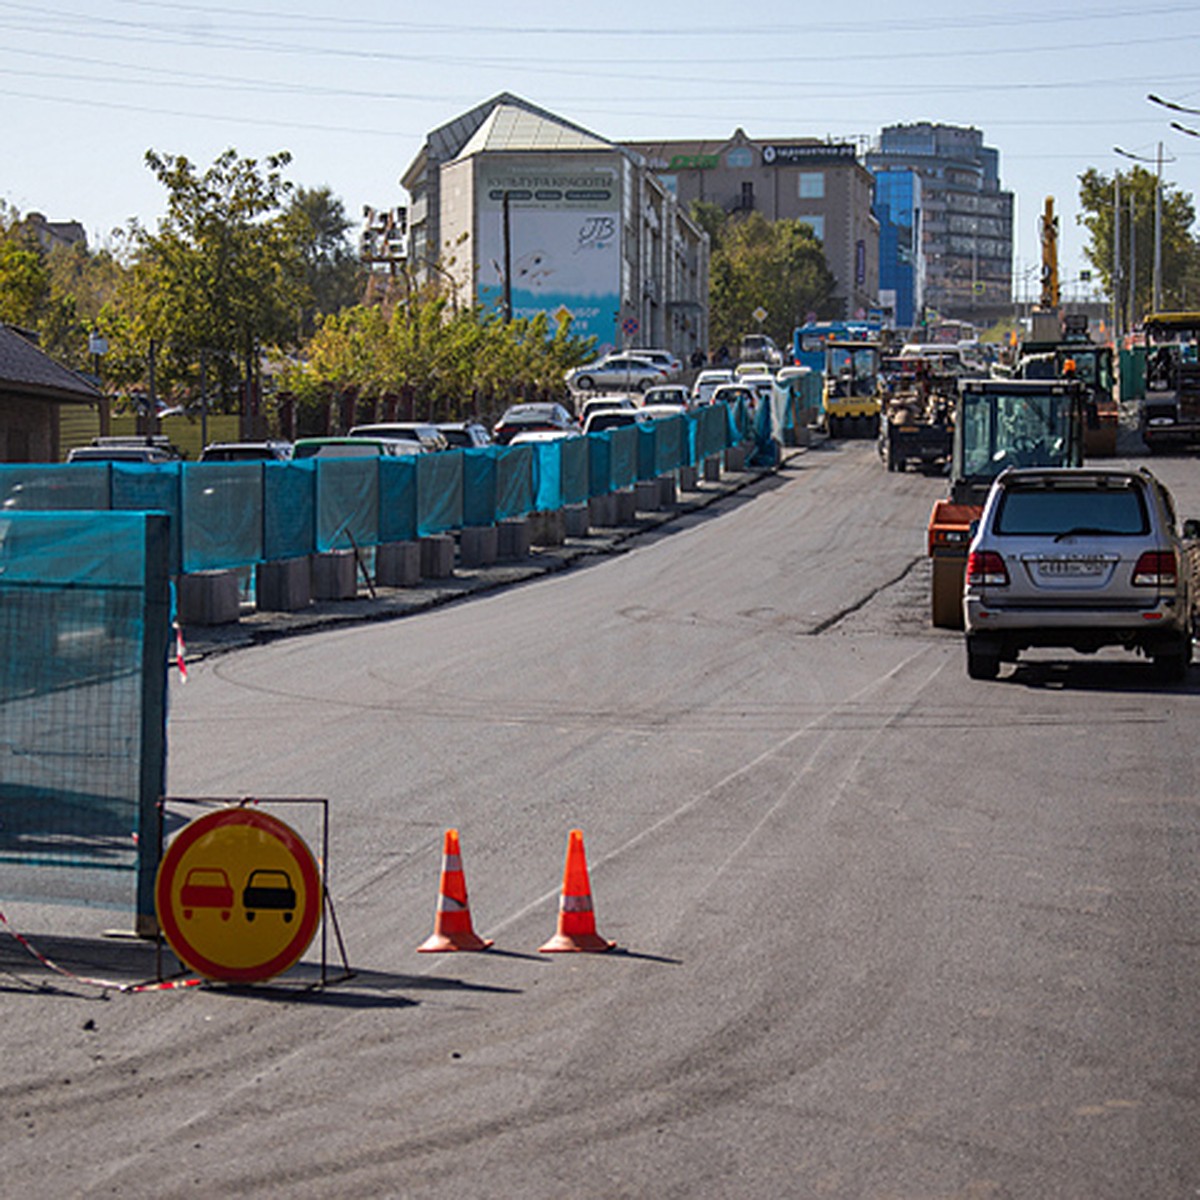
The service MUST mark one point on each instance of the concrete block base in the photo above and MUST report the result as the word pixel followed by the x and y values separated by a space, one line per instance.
pixel 712 469
pixel 735 457
pixel 208 598
pixel 398 564
pixel 576 520
pixel 437 556
pixel 626 506
pixel 548 528
pixel 334 575
pixel 688 478
pixel 647 496
pixel 602 511
pixel 284 585
pixel 478 546
pixel 666 491
pixel 514 538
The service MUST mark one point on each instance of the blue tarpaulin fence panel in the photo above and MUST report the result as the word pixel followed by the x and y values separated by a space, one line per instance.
pixel 347 503
pixel 151 488
pixel 439 492
pixel 479 486
pixel 624 456
pixel 32 487
pixel 221 510
pixel 514 482
pixel 397 499
pixel 84 623
pixel 547 474
pixel 574 467
pixel 289 509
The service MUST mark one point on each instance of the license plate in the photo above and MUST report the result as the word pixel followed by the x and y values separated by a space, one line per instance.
pixel 1073 568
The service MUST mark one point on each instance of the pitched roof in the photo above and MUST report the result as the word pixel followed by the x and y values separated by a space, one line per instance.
pixel 517 127
pixel 26 369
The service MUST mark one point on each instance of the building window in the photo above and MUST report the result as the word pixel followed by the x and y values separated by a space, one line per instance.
pixel 812 185
pixel 741 157
pixel 747 203
pixel 817 224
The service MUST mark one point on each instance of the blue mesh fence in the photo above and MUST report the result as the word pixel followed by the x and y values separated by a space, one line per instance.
pixel 574 467
pixel 347 503
pixel 397 499
pixel 222 515
pixel 289 509
pixel 479 486
pixel 144 488
pixel 84 622
pixel 599 463
pixel 514 482
pixel 439 492
pixel 548 475
pixel 624 456
pixel 27 487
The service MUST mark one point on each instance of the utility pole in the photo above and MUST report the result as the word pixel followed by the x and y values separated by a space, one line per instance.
pixel 506 234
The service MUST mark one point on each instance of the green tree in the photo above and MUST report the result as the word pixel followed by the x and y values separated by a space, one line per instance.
pixel 220 274
pixel 778 266
pixel 1180 252
pixel 316 224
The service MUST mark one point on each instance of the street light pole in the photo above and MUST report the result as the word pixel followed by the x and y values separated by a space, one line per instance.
pixel 1157 160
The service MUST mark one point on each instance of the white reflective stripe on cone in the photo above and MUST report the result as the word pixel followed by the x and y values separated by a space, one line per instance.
pixel 575 904
pixel 449 904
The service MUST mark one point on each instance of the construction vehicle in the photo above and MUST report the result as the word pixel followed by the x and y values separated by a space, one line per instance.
pixel 918 412
pixel 1170 411
pixel 1000 423
pixel 852 397
pixel 1074 355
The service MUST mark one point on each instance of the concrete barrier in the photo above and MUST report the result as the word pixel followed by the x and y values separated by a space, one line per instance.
pixel 602 511
pixel 284 585
pixel 667 495
pixel 626 506
pixel 712 469
pixel 514 538
pixel 437 556
pixel 689 478
pixel 735 457
pixel 208 598
pixel 398 564
pixel 647 496
pixel 478 546
pixel 334 575
pixel 547 528
pixel 577 520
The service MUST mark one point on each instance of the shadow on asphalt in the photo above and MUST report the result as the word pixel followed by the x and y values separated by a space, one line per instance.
pixel 1136 677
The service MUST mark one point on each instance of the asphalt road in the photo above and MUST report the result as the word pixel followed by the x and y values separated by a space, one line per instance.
pixel 884 931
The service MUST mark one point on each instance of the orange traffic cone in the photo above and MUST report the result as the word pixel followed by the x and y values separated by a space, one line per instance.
pixel 452 921
pixel 576 920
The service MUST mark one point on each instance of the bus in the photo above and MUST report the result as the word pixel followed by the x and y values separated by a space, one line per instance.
pixel 808 341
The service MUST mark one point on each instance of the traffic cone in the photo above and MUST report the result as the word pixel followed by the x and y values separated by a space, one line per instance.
pixel 452 921
pixel 576 920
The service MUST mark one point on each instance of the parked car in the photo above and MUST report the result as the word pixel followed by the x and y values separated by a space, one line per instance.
pixel 707 382
pixel 731 393
pixel 612 418
pixel 428 434
pixel 464 435
pixel 520 418
pixel 246 452
pixel 670 364
pixel 601 403
pixel 132 450
pixel 656 412
pixel 670 393
pixel 1079 557
pixel 758 348
pixel 623 371
pixel 533 436
pixel 355 447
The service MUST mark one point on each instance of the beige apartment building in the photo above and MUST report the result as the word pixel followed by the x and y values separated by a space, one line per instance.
pixel 821 183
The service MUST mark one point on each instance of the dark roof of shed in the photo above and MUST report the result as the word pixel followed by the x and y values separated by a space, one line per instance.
pixel 26 369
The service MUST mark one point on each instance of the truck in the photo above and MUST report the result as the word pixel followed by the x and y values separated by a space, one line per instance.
pixel 852 396
pixel 1000 423
pixel 1170 408
pixel 918 413
pixel 1074 354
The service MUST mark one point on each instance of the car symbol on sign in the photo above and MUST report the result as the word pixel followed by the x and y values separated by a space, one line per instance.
pixel 206 887
pixel 269 889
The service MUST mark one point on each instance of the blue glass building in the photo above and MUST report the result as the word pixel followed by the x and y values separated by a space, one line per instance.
pixel 901 265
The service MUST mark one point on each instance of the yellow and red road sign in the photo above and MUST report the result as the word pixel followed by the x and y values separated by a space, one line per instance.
pixel 238 895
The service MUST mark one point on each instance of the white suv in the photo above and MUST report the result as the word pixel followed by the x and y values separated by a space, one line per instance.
pixel 1079 557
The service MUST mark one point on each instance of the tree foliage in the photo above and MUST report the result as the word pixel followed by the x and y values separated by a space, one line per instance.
pixel 1180 252
pixel 778 266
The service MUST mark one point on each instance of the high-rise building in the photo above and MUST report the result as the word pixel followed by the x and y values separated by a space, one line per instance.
pixel 901 263
pixel 966 226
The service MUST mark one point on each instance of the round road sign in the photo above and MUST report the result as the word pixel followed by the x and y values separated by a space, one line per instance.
pixel 238 895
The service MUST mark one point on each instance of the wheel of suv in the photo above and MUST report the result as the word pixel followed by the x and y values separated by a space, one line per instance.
pixel 982 662
pixel 585 383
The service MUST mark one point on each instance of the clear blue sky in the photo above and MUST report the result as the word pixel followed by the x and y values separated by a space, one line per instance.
pixel 351 89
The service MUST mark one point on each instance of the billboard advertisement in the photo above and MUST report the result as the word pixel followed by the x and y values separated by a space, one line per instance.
pixel 565 242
